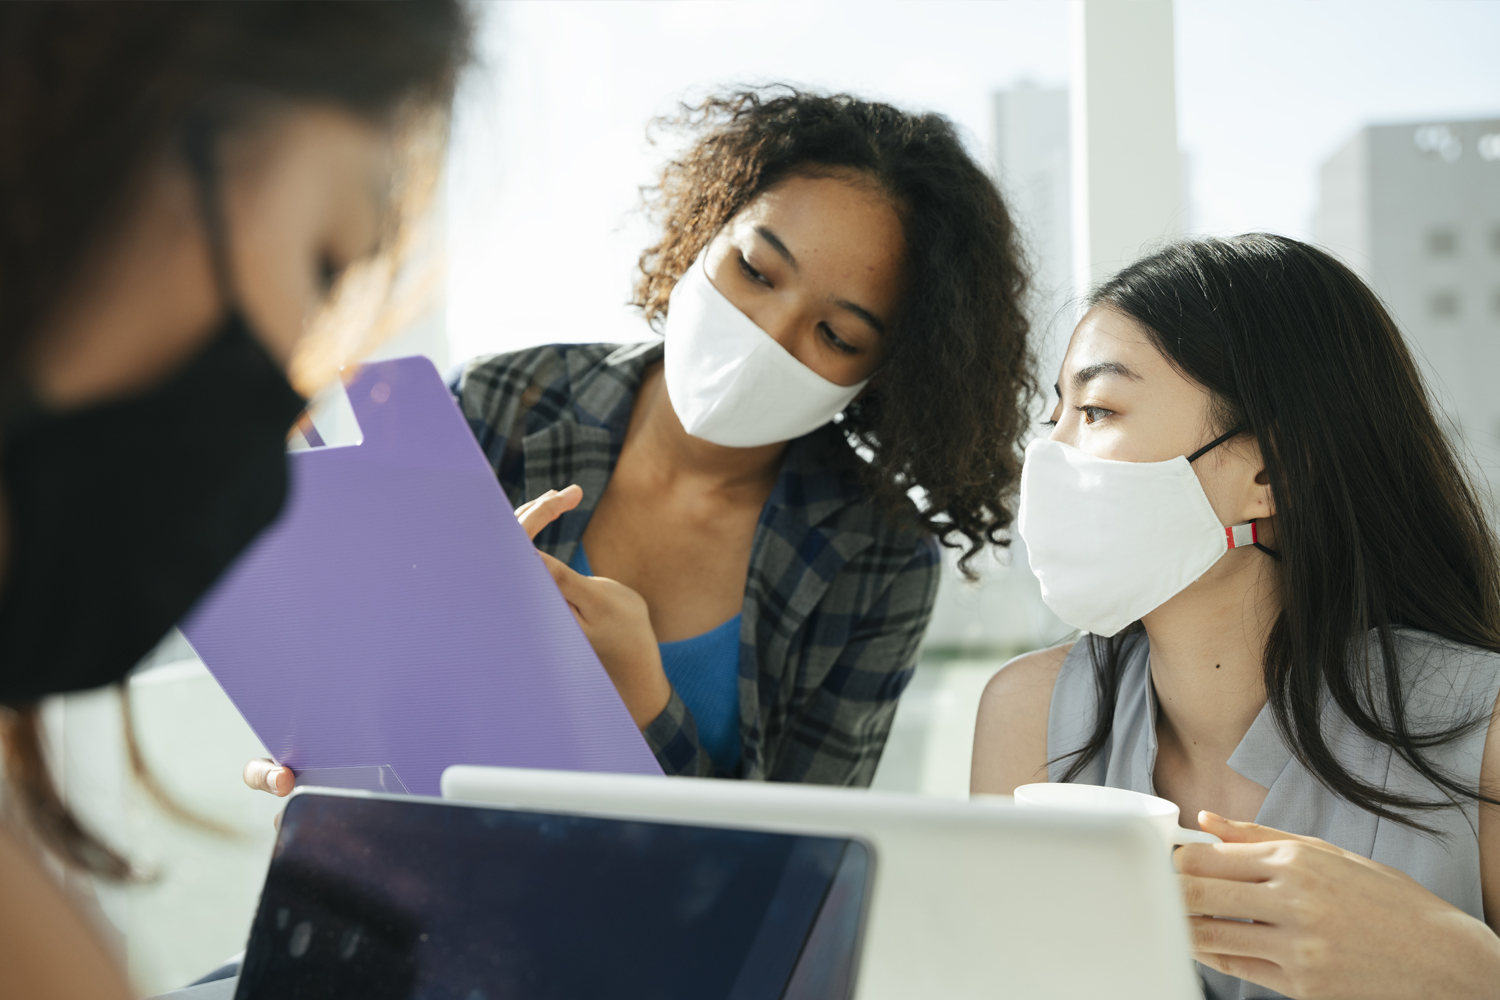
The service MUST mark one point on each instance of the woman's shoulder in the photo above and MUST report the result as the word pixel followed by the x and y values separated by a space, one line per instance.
pixel 513 372
pixel 1440 652
pixel 545 382
pixel 1010 732
pixel 1441 677
pixel 1029 678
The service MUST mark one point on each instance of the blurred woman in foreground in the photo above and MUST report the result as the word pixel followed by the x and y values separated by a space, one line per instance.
pixel 1291 607
pixel 183 185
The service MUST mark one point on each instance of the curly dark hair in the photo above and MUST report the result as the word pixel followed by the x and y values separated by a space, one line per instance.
pixel 946 411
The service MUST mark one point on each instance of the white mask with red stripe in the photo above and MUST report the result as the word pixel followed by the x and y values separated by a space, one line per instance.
pixel 1113 541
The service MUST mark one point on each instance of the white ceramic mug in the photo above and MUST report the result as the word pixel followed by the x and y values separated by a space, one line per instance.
pixel 1160 813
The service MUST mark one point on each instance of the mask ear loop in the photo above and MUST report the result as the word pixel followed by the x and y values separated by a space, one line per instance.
pixel 1227 435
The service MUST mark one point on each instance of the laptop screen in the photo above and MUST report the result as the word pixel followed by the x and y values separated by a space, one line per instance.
pixel 374 898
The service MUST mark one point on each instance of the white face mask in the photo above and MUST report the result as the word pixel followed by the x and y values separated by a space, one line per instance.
pixel 1112 541
pixel 730 382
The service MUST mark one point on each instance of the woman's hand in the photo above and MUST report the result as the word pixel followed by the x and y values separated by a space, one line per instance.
pixel 618 625
pixel 268 776
pixel 535 515
pixel 1328 923
pixel 613 617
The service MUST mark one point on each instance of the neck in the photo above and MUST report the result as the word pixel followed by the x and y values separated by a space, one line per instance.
pixel 656 440
pixel 1207 655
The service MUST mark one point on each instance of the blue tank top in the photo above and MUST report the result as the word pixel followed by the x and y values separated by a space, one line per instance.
pixel 705 670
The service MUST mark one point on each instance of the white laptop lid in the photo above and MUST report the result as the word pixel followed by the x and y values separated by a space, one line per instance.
pixel 970 899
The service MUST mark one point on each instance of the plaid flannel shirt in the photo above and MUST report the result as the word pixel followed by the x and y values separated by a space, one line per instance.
pixel 837 598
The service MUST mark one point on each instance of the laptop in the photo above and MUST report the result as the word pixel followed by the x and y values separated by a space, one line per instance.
pixel 389 897
pixel 969 899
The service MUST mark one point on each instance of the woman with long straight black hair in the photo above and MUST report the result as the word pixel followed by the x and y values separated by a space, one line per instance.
pixel 1290 601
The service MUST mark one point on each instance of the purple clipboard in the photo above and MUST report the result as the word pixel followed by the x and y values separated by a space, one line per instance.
pixel 396 619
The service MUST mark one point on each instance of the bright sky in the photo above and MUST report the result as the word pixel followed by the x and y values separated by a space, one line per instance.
pixel 550 146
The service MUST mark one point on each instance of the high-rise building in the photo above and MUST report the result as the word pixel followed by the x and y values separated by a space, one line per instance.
pixel 1415 210
pixel 1031 148
pixel 1004 612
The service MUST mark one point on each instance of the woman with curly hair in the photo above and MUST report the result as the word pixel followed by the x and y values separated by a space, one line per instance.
pixel 840 290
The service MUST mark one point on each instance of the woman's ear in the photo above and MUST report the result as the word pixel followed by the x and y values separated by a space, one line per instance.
pixel 1259 503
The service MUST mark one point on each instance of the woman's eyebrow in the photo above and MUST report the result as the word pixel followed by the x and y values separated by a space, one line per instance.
pixel 777 245
pixel 862 313
pixel 876 323
pixel 1084 376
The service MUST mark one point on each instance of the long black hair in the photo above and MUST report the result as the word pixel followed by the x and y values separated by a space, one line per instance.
pixel 948 410
pixel 1377 525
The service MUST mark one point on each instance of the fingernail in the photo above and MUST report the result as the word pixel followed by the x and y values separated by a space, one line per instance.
pixel 273 778
pixel 1211 815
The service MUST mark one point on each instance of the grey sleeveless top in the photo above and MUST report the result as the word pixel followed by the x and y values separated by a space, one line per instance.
pixel 1447 683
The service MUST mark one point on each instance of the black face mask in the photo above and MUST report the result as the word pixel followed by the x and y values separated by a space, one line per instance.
pixel 120 516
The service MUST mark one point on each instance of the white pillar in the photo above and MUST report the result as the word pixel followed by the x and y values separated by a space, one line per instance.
pixel 1127 189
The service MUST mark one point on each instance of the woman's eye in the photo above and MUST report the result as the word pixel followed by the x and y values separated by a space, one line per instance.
pixel 751 272
pixel 1093 413
pixel 833 339
pixel 1049 422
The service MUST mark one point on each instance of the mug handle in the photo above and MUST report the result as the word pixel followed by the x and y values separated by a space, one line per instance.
pixel 1182 836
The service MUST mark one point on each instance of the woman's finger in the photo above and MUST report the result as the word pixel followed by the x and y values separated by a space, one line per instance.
pixel 268 776
pixel 1256 970
pixel 1216 897
pixel 1233 831
pixel 527 514
pixel 574 585
pixel 561 572
pixel 1211 936
pixel 536 514
pixel 1233 862
pixel 1238 832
